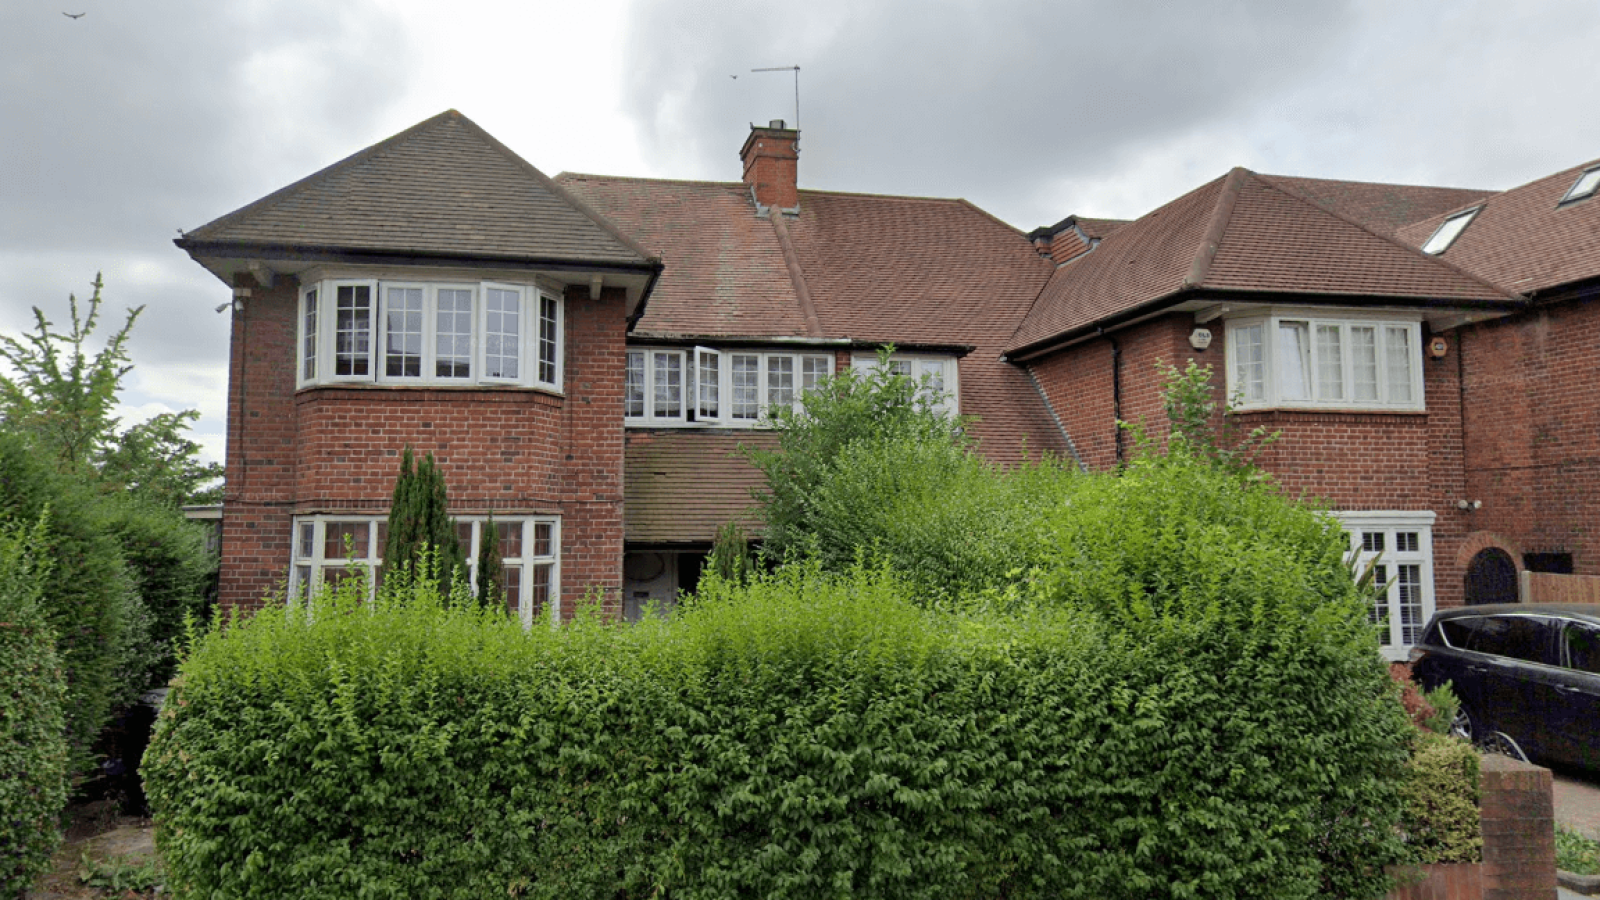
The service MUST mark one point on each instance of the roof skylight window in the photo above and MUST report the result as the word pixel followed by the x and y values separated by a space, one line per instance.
pixel 1448 232
pixel 1584 186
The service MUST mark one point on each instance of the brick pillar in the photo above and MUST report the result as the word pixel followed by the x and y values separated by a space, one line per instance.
pixel 1519 837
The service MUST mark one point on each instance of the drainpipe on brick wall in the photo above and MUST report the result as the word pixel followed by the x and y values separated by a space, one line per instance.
pixel 1116 396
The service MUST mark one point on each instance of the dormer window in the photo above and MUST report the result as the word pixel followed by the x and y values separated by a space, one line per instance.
pixel 1448 232
pixel 1585 186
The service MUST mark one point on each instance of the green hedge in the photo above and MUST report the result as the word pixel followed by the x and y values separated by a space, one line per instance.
pixel 805 736
pixel 33 747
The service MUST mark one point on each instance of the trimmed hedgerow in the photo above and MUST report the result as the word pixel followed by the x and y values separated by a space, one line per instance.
pixel 806 735
pixel 33 747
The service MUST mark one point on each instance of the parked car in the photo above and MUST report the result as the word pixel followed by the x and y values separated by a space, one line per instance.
pixel 1527 675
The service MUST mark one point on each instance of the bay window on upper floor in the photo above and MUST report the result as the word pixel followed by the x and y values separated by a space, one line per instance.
pixel 428 333
pixel 1356 363
pixel 728 388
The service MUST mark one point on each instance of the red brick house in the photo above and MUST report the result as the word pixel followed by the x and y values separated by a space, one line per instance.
pixel 585 355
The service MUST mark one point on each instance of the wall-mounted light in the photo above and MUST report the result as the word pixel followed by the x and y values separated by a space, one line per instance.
pixel 1200 339
pixel 1438 347
pixel 1469 505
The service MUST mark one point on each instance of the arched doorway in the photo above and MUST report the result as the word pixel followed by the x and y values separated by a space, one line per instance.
pixel 1491 578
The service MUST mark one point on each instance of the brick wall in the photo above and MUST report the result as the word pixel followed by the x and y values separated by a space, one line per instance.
pixel 1519 838
pixel 332 449
pixel 1532 418
pixel 1354 461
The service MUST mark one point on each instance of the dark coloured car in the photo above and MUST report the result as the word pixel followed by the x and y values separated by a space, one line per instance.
pixel 1527 674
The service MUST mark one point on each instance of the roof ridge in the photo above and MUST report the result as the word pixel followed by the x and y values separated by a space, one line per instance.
pixel 1290 192
pixel 321 174
pixel 643 178
pixel 797 275
pixel 1221 216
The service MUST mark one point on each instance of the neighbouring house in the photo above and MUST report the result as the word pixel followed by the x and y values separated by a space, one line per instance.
pixel 586 355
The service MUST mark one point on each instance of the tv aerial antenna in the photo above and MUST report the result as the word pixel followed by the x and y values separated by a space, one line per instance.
pixel 796 71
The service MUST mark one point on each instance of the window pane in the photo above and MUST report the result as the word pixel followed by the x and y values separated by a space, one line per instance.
pixel 1364 362
pixel 352 333
pixel 1380 605
pixel 780 381
pixel 1583 648
pixel 308 338
pixel 543 539
pixel 502 333
pixel 1250 369
pixel 814 369
pixel 633 386
pixel 1408 602
pixel 1405 542
pixel 469 547
pixel 708 384
pixel 746 400
pixel 402 332
pixel 1372 541
pixel 1330 363
pixel 668 386
pixel 337 534
pixel 1294 361
pixel 540 599
pixel 549 323
pixel 1397 368
pixel 509 535
pixel 511 583
pixel 452 353
pixel 306 546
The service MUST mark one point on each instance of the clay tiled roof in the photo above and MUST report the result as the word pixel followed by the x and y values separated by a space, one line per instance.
pixel 681 486
pixel 1384 208
pixel 1241 234
pixel 725 273
pixel 1098 228
pixel 1522 240
pixel 441 188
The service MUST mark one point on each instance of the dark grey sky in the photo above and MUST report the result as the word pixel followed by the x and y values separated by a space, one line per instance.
pixel 144 117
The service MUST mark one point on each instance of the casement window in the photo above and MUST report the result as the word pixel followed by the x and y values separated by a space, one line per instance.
pixel 706 386
pixel 935 375
pixel 394 332
pixel 1291 361
pixel 326 549
pixel 1399 546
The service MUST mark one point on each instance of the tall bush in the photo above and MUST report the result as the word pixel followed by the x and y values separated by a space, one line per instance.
pixel 419 518
pixel 33 746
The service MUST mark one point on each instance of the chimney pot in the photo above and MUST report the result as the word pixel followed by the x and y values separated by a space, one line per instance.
pixel 775 123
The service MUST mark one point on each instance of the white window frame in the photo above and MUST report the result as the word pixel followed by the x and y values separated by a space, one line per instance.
pixel 919 366
pixel 539 361
pixel 698 394
pixel 306 569
pixel 1389 525
pixel 1271 390
pixel 1448 231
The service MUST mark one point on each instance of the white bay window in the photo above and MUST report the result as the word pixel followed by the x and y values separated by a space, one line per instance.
pixel 394 332
pixel 1294 361
pixel 327 549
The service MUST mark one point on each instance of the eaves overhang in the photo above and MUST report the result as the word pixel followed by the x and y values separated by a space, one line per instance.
pixel 1448 312
pixel 229 259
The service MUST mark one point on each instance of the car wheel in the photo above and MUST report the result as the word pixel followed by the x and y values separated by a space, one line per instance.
pixel 1461 726
pixel 1503 744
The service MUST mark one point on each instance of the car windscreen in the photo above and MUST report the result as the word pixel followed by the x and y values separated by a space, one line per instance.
pixel 1518 637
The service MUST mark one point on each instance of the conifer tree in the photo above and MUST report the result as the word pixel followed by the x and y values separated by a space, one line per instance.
pixel 418 518
pixel 491 574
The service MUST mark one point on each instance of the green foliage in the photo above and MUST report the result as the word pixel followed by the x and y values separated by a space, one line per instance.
pixel 730 556
pixel 33 747
pixel 1440 793
pixel 119 874
pixel 805 735
pixel 491 569
pixel 1576 853
pixel 63 399
pixel 1198 428
pixel 89 599
pixel 418 518
pixel 166 556
pixel 857 405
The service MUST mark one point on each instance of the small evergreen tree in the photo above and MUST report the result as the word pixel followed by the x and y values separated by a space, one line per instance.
pixel 491 574
pixel 418 518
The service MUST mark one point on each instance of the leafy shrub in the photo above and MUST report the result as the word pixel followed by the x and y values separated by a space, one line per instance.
pixel 33 748
pixel 167 559
pixel 1576 853
pixel 1441 801
pixel 806 735
pixel 1432 711
pixel 88 599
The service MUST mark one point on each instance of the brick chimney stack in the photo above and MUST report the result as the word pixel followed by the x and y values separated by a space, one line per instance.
pixel 770 154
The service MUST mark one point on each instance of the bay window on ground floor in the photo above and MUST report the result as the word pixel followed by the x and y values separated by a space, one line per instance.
pixel 328 548
pixel 1399 548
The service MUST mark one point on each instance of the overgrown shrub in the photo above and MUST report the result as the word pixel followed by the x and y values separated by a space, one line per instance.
pixel 33 747
pixel 88 599
pixel 1441 796
pixel 806 735
pixel 166 556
